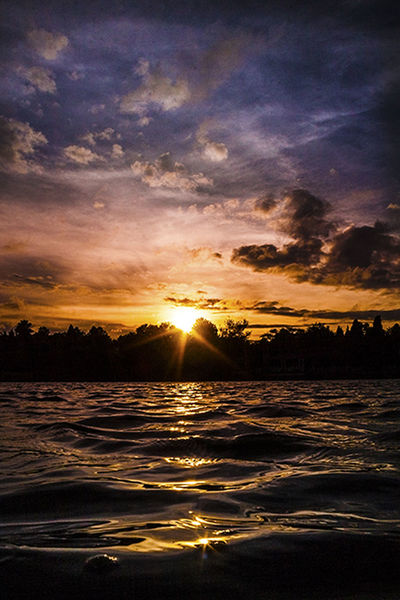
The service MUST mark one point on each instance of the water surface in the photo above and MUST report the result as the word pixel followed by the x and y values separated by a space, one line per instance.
pixel 262 489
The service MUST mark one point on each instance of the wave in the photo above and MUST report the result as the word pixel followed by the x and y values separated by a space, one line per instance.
pixel 253 473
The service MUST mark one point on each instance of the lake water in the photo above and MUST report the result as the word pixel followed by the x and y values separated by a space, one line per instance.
pixel 250 489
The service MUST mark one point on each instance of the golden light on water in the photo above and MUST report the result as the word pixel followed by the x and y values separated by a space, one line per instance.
pixel 190 462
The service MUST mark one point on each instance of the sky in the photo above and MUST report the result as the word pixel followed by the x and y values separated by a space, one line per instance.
pixel 241 159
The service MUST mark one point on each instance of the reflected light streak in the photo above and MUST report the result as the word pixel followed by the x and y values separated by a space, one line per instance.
pixel 190 462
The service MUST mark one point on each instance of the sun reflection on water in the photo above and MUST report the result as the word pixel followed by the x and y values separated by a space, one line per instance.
pixel 190 462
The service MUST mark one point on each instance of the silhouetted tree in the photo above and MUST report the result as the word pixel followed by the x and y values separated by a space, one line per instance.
pixel 160 352
pixel 235 329
pixel 356 330
pixel 24 329
pixel 377 325
pixel 205 329
pixel 43 332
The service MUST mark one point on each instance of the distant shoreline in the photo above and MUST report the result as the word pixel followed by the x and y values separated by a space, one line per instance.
pixel 164 353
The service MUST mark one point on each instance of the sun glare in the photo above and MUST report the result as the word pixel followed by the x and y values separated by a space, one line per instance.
pixel 184 317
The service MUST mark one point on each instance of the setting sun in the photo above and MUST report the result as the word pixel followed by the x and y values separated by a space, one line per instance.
pixel 184 317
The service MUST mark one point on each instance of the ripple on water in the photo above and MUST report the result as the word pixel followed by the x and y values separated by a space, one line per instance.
pixel 182 467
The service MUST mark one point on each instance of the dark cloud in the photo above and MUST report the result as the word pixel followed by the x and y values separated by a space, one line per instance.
pixel 360 257
pixel 364 257
pixel 165 163
pixel 362 247
pixel 306 216
pixel 368 315
pixel 392 218
pixel 273 308
pixel 200 303
pixel 268 256
pixel 305 220
pixel 265 204
pixel 45 281
pixel 19 270
pixel 273 326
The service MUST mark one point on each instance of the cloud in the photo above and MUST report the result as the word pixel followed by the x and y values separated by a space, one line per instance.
pixel 265 204
pixel 199 303
pixel 156 91
pixel 210 70
pixel 360 257
pixel 218 63
pixel 305 216
pixel 144 121
pixel 41 78
pixel 392 222
pixel 142 67
pixel 273 308
pixel 215 151
pixel 13 247
pixel 22 270
pixel 88 138
pixel 117 151
pixel 274 326
pixel 96 108
pixel 268 256
pixel 166 173
pixel 203 254
pixel 17 142
pixel 80 155
pixel 106 134
pixel 75 75
pixel 93 136
pixel 47 44
pixel 365 257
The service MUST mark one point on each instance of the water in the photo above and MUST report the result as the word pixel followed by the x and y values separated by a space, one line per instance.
pixel 252 489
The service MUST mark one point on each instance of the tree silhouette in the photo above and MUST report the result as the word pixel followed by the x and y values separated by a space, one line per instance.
pixel 24 329
pixel 43 332
pixel 205 329
pixel 163 352
pixel 235 329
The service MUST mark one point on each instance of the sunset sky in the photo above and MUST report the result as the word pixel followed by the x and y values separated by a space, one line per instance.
pixel 238 160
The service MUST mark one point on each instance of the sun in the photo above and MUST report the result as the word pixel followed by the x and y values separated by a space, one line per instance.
pixel 184 317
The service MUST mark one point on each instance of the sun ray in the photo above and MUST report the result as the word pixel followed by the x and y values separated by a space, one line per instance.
pixel 212 348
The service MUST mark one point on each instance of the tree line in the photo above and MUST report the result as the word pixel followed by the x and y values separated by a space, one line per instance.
pixel 163 352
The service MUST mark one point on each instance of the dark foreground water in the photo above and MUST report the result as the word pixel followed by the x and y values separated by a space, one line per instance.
pixel 200 490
